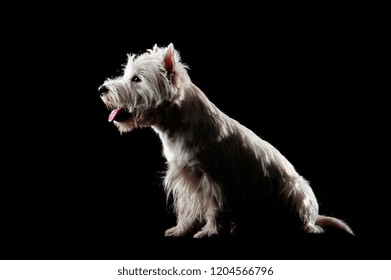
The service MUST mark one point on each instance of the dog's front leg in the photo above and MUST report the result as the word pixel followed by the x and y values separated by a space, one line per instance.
pixel 211 227
pixel 187 217
pixel 179 230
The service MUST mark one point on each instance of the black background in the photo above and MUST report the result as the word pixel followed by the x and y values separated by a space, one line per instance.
pixel 307 81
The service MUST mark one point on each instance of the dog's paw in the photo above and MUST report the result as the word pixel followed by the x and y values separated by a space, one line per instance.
pixel 311 228
pixel 174 232
pixel 206 232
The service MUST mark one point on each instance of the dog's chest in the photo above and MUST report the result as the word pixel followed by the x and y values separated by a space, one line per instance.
pixel 174 148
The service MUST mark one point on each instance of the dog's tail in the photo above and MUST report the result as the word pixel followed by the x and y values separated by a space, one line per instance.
pixel 331 222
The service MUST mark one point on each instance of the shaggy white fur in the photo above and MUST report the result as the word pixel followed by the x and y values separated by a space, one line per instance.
pixel 219 173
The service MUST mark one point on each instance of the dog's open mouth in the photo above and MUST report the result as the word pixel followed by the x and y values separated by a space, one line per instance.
pixel 120 115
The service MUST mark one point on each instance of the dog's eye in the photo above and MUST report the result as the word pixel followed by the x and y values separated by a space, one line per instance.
pixel 136 79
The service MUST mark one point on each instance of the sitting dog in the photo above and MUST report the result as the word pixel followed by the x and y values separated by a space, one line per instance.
pixel 220 175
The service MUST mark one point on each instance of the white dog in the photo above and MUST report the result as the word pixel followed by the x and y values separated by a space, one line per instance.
pixel 220 175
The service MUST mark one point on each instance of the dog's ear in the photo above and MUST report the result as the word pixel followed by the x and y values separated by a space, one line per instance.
pixel 169 60
pixel 175 69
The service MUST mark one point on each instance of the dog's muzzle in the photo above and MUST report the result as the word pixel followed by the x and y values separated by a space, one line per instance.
pixel 117 114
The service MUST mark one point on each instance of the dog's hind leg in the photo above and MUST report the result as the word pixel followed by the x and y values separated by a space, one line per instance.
pixel 312 228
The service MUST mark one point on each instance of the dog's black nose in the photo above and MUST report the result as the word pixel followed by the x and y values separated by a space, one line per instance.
pixel 103 90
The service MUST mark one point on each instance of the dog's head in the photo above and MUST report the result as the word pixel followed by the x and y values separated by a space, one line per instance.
pixel 149 80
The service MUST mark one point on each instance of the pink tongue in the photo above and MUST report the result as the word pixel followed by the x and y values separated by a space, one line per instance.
pixel 113 114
